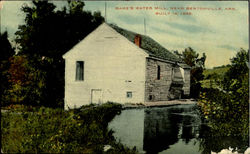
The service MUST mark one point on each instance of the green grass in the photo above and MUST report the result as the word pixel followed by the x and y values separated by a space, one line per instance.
pixel 49 130
pixel 213 77
pixel 219 70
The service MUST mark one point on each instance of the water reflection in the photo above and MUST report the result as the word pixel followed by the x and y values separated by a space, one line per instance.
pixel 175 129
pixel 160 130
pixel 164 127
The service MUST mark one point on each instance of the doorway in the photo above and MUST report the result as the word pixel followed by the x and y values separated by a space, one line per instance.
pixel 96 96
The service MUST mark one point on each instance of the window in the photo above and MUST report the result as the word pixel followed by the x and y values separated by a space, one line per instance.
pixel 129 94
pixel 158 72
pixel 172 74
pixel 150 97
pixel 79 70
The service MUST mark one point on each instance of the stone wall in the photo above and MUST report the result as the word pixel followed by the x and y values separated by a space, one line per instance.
pixel 157 89
pixel 186 86
pixel 170 85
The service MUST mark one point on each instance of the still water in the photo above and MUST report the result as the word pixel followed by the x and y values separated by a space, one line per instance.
pixel 171 130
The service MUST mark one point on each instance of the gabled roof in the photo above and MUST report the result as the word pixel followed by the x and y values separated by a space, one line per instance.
pixel 149 45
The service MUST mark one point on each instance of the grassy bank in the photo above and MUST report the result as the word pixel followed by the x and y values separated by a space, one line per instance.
pixel 217 70
pixel 213 77
pixel 49 130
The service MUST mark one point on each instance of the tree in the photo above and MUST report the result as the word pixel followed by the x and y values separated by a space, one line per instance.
pixel 6 49
pixel 236 83
pixel 6 52
pixel 26 82
pixel 228 110
pixel 191 58
pixel 52 33
pixel 238 71
pixel 48 34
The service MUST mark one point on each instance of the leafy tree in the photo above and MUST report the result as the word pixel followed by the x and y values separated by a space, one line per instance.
pixel 191 58
pixel 52 33
pixel 228 110
pixel 235 76
pixel 236 83
pixel 6 52
pixel 48 34
pixel 26 82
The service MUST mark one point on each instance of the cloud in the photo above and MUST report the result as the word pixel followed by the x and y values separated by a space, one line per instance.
pixel 11 16
pixel 163 31
pixel 188 28
pixel 131 19
pixel 229 47
pixel 246 40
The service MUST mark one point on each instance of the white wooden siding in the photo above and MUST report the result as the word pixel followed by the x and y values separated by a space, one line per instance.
pixel 112 64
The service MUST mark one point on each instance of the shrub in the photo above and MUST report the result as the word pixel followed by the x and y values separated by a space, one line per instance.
pixel 26 82
pixel 226 108
pixel 48 130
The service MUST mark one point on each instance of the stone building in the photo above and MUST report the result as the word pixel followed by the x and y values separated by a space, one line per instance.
pixel 114 64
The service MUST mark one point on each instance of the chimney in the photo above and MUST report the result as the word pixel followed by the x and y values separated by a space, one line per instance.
pixel 138 40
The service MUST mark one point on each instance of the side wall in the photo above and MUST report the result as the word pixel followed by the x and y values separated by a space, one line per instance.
pixel 113 66
pixel 186 86
pixel 158 90
pixel 174 81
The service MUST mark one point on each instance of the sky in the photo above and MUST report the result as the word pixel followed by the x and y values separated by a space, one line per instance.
pixel 217 28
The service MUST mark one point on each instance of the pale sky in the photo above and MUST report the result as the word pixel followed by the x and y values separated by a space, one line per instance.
pixel 218 33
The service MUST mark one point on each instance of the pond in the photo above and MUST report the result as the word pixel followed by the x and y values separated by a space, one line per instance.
pixel 173 129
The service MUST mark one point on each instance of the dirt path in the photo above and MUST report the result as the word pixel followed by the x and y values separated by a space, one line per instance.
pixel 161 103
pixel 172 102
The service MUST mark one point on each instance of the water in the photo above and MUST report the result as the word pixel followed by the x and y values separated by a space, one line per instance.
pixel 171 130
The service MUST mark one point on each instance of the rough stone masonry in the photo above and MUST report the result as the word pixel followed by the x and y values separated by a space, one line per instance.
pixel 164 81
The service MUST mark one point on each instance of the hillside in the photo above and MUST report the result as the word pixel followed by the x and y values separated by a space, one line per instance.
pixel 218 70
pixel 213 76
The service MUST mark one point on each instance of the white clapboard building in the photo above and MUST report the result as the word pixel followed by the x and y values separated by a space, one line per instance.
pixel 114 64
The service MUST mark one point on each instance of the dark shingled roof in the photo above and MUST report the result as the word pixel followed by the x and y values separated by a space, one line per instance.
pixel 148 45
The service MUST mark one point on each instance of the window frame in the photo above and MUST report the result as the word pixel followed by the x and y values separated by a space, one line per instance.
pixel 158 72
pixel 79 75
pixel 129 96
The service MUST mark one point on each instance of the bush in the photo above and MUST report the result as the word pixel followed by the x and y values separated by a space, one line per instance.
pixel 224 113
pixel 227 119
pixel 227 108
pixel 26 82
pixel 48 130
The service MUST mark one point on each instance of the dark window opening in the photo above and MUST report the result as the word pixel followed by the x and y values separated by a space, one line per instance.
pixel 150 97
pixel 79 70
pixel 129 94
pixel 158 72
